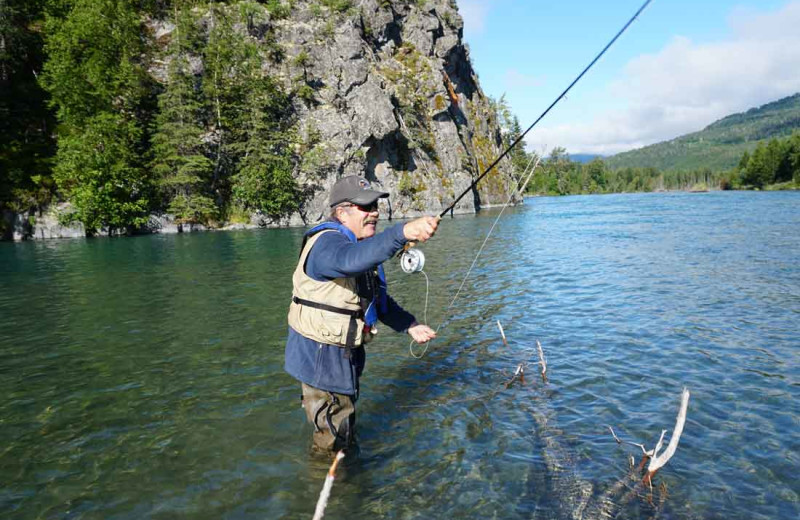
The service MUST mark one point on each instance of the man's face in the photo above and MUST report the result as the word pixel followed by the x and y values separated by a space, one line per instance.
pixel 361 220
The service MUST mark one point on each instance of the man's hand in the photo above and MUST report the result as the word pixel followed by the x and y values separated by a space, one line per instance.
pixel 421 229
pixel 421 333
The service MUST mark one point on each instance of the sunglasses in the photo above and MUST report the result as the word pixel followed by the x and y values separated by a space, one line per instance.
pixel 366 209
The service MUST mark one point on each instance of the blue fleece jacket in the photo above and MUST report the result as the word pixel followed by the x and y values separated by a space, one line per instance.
pixel 334 255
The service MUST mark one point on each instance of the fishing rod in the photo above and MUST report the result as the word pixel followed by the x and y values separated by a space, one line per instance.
pixel 554 103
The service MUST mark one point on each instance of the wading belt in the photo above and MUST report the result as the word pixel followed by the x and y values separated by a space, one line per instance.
pixel 352 328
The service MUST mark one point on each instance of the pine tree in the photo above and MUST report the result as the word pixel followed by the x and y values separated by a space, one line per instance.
pixel 26 122
pixel 264 179
pixel 98 85
pixel 179 162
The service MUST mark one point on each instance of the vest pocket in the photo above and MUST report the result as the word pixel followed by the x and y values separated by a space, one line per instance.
pixel 332 329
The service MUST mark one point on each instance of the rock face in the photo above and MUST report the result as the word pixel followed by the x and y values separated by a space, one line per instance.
pixel 39 225
pixel 396 100
pixel 390 94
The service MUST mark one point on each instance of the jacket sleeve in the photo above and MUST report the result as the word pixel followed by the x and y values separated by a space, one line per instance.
pixel 334 256
pixel 396 317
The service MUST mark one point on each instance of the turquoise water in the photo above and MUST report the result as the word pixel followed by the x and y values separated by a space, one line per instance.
pixel 142 377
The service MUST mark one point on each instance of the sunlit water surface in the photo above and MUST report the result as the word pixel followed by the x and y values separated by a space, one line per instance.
pixel 142 377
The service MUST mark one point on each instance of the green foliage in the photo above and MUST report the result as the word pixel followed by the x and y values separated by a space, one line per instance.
pixel 26 123
pixel 278 8
pixel 263 140
pixel 720 145
pixel 409 72
pixel 179 161
pixel 328 30
pixel 93 60
pixel 306 93
pixel 99 171
pixel 775 162
pixel 303 59
pixel 98 85
pixel 337 6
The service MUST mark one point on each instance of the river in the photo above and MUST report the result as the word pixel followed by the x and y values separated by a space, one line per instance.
pixel 143 377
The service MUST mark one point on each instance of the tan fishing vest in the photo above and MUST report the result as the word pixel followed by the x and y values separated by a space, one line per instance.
pixel 322 325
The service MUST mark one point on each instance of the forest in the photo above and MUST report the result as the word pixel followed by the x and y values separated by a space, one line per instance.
pixel 773 164
pixel 85 120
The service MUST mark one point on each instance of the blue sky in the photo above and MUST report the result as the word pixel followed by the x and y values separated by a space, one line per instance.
pixel 682 65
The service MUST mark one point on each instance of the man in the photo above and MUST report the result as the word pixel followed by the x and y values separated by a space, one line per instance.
pixel 339 295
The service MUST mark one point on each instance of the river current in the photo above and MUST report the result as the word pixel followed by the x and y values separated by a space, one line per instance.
pixel 143 377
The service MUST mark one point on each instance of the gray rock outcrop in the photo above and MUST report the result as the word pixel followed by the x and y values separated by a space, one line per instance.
pixel 396 100
pixel 389 93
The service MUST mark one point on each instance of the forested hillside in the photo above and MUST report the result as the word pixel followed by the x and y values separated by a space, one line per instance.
pixel 720 145
pixel 135 115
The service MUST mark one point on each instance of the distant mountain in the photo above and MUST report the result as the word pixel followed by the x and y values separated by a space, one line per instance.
pixel 720 145
pixel 584 157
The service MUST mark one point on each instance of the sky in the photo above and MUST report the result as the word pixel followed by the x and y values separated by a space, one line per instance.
pixel 681 65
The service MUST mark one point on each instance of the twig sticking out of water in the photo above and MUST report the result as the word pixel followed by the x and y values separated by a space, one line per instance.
pixel 542 361
pixel 322 503
pixel 505 341
pixel 657 461
pixel 519 372
pixel 644 451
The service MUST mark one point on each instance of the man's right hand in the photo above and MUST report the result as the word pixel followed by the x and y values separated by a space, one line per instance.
pixel 421 229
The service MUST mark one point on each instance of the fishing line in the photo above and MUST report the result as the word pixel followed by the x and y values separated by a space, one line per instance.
pixel 497 161
pixel 518 139
pixel 521 189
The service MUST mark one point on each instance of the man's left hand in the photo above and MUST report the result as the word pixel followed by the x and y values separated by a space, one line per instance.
pixel 421 333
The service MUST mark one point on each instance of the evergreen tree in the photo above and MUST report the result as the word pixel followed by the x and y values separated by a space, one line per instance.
pixel 26 123
pixel 98 85
pixel 98 170
pixel 264 180
pixel 183 170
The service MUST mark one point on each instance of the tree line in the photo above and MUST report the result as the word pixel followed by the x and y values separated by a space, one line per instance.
pixel 99 110
pixel 774 164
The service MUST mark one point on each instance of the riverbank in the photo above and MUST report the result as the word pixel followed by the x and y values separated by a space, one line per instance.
pixel 46 224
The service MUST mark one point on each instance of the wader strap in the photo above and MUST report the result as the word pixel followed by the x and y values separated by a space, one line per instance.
pixel 352 328
pixel 330 412
pixel 329 308
pixel 316 416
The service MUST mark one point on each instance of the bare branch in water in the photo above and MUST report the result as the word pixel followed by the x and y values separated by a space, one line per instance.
pixel 322 503
pixel 519 372
pixel 644 451
pixel 658 461
pixel 505 342
pixel 542 361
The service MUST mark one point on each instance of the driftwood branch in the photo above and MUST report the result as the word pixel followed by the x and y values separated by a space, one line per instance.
pixel 322 502
pixel 619 441
pixel 503 334
pixel 518 373
pixel 657 461
pixel 542 361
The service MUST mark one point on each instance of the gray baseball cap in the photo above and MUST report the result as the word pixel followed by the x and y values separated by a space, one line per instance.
pixel 354 189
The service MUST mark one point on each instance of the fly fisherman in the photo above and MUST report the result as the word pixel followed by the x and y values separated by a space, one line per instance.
pixel 339 295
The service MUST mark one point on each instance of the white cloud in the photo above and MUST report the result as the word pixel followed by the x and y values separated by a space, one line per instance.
pixel 474 14
pixel 687 85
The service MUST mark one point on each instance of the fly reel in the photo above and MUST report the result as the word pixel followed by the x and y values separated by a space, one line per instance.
pixel 412 260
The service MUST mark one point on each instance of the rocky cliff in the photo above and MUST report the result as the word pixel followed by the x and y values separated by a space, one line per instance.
pixel 395 99
pixel 388 92
pixel 382 88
